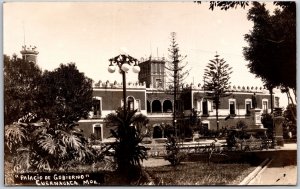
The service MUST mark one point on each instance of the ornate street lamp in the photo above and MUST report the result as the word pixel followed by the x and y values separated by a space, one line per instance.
pixel 124 62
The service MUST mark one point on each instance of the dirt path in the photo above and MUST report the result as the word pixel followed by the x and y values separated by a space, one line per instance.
pixel 286 175
pixel 281 171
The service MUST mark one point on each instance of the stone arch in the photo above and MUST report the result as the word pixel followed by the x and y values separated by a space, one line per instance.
pixel 156 106
pixel 169 131
pixel 157 131
pixel 167 106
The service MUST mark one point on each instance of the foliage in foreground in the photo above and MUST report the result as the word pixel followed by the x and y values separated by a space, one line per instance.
pixel 37 146
pixel 174 156
pixel 127 130
pixel 41 109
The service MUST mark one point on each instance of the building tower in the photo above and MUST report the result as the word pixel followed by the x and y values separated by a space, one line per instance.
pixel 29 53
pixel 152 72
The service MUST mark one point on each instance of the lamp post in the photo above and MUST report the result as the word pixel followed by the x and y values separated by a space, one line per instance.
pixel 125 135
pixel 124 62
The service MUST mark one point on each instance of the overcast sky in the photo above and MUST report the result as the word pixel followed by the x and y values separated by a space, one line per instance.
pixel 91 33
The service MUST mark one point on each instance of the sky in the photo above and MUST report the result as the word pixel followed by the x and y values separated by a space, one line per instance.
pixel 90 33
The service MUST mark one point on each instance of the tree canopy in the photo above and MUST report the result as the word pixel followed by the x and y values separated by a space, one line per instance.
pixel 62 96
pixel 225 5
pixel 21 88
pixel 272 44
pixel 272 41
pixel 175 65
pixel 66 95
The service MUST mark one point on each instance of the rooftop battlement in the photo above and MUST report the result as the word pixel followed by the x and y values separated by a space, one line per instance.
pixel 238 88
pixel 150 58
pixel 116 85
pixel 199 87
pixel 244 89
pixel 29 50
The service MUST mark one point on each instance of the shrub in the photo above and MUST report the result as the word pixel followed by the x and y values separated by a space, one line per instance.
pixel 174 156
pixel 267 121
pixel 241 124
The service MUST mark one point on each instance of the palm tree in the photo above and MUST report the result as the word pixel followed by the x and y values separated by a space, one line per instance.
pixel 38 146
pixel 127 130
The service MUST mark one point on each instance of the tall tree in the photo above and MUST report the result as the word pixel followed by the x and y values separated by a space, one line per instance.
pixel 176 74
pixel 21 88
pixel 216 82
pixel 272 45
pixel 66 95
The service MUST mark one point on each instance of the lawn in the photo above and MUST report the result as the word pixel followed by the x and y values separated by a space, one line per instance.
pixel 187 173
pixel 200 173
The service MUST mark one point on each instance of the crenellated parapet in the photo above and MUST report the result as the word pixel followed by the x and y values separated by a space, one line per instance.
pixel 29 50
pixel 247 89
pixel 29 53
pixel 150 58
pixel 234 88
pixel 116 85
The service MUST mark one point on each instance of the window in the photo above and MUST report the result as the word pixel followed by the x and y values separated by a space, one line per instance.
pixel 248 104
pixel 98 131
pixel 198 105
pixel 205 107
pixel 130 103
pixel 265 106
pixel 138 105
pixel 154 68
pixel 158 83
pixel 232 106
pixel 97 107
pixel 205 125
pixel 276 103
pixel 210 105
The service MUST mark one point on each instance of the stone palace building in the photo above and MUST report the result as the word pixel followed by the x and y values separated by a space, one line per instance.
pixel 151 98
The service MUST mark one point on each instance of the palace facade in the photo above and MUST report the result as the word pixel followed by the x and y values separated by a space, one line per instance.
pixel 151 98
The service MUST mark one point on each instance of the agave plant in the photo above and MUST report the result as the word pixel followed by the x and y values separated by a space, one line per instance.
pixel 38 146
pixel 127 130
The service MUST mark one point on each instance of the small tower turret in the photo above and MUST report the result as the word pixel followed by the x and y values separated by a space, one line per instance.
pixel 29 53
